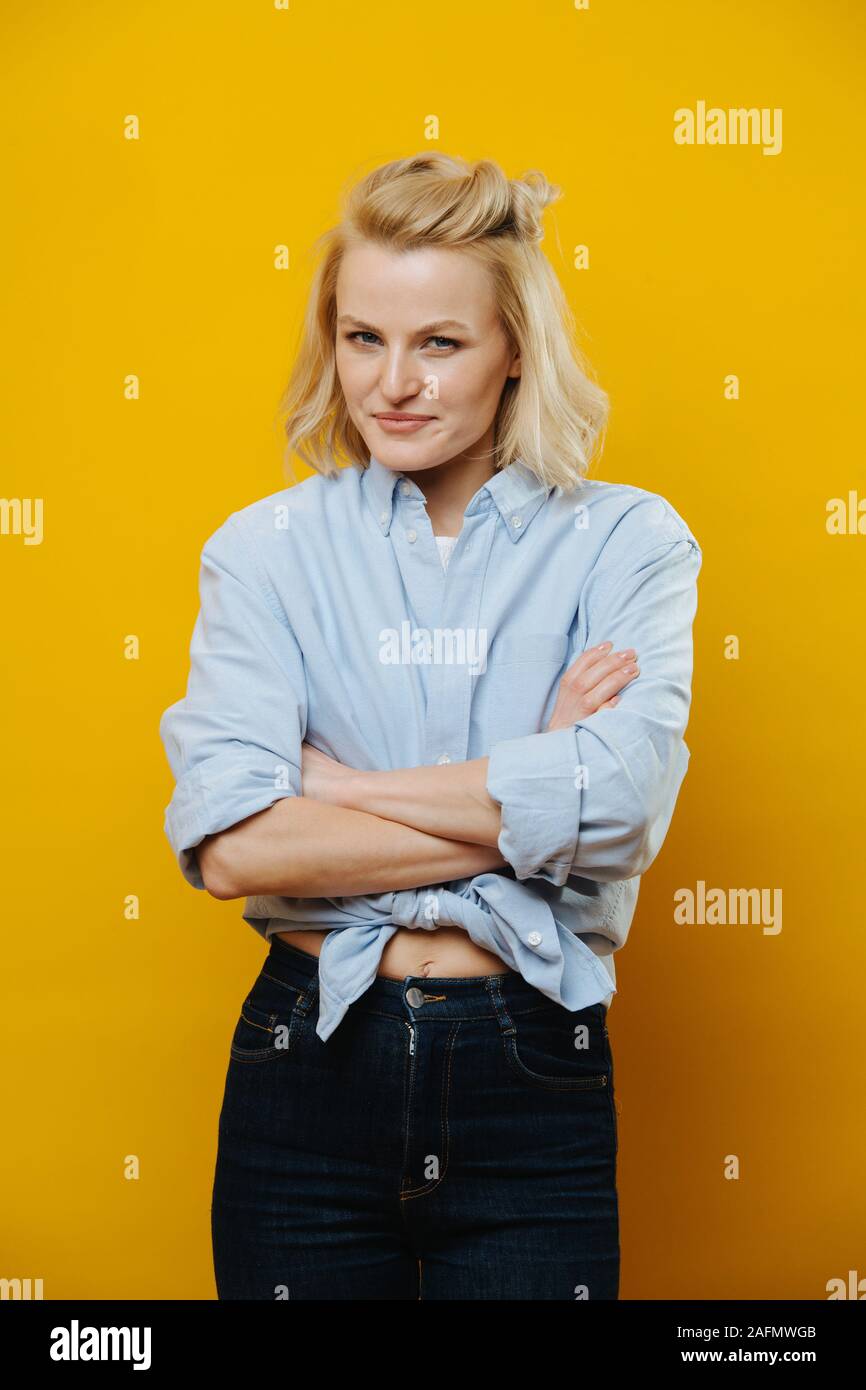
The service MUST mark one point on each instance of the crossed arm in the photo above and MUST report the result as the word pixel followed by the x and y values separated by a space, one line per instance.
pixel 361 838
pixel 586 795
pixel 354 832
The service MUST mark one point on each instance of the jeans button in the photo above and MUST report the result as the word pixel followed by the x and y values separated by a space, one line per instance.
pixel 414 997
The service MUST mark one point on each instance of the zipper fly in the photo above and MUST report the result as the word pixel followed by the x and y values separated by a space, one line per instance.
pixel 411 1039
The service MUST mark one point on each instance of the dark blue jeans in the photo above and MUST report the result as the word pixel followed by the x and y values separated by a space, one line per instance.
pixel 453 1139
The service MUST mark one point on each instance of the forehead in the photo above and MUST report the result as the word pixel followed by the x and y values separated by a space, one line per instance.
pixel 380 285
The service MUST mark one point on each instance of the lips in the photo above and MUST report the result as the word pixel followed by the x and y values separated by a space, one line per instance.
pixel 402 424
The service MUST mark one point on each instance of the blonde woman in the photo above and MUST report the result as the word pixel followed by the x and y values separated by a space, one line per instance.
pixel 433 734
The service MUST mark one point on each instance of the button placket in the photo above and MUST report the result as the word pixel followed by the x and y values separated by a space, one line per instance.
pixel 452 685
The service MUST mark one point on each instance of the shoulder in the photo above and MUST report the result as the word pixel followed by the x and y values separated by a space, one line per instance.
pixel 257 543
pixel 317 497
pixel 268 523
pixel 620 518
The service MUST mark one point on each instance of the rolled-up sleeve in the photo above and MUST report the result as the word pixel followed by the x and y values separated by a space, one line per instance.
pixel 596 798
pixel 234 741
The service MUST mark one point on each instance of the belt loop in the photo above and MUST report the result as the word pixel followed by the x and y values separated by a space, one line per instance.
pixel 307 997
pixel 503 1017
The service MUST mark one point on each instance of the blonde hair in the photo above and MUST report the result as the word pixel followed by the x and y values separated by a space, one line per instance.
pixel 553 415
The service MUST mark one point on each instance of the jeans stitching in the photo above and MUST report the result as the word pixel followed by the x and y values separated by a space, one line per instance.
pixel 266 1054
pixel 409 1088
pixel 552 1083
pixel 443 1123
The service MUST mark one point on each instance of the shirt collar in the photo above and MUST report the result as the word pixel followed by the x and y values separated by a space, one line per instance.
pixel 515 490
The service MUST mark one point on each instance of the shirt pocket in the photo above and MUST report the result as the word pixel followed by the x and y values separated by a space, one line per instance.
pixel 513 692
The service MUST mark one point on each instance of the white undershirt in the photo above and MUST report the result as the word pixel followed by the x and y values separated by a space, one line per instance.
pixel 446 544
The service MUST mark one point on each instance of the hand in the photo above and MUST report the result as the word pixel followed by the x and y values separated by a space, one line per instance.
pixel 591 683
pixel 323 778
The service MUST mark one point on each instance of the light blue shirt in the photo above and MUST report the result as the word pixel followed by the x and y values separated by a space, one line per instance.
pixel 326 615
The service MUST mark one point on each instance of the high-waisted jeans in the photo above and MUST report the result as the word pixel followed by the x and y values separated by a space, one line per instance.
pixel 452 1139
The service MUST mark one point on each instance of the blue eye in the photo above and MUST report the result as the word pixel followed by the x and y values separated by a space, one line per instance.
pixel 357 334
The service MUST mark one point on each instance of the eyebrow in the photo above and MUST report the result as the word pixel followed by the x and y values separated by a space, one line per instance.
pixel 425 328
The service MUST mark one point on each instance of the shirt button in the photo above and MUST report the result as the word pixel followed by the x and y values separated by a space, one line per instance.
pixel 411 535
pixel 516 521
pixel 383 517
pixel 405 487
pixel 443 758
pixel 414 997
pixel 535 938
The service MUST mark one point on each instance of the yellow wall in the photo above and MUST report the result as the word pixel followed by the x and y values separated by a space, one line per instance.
pixel 155 257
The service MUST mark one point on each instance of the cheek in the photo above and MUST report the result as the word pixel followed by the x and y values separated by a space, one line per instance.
pixel 344 371
pixel 353 375
pixel 474 386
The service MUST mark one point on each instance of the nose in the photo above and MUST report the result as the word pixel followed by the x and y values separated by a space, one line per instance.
pixel 400 377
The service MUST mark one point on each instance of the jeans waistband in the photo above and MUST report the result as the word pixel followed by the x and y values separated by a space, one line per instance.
pixel 430 996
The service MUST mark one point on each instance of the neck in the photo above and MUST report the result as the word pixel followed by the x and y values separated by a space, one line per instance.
pixel 449 487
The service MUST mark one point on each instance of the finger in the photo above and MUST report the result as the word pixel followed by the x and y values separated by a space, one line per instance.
pixel 590 657
pixel 604 690
pixel 612 684
pixel 584 679
pixel 596 658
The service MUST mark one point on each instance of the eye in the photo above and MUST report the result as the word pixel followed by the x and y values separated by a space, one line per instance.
pixel 442 344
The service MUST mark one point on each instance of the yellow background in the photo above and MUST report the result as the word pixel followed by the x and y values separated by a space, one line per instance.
pixel 155 257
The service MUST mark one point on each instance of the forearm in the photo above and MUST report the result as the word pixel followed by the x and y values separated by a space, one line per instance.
pixel 448 799
pixel 304 848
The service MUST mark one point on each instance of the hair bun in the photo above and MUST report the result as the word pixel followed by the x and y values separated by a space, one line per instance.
pixel 530 195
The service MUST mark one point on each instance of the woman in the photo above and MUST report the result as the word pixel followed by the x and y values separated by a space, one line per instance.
pixel 437 817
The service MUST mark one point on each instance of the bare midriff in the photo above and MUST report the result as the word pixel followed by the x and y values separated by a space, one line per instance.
pixel 446 953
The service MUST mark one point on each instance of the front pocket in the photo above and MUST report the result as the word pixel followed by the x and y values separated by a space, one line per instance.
pixel 261 1037
pixel 558 1050
pixel 270 1022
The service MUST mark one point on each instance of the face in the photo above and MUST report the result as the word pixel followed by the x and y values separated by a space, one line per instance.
pixel 418 334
